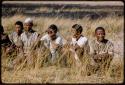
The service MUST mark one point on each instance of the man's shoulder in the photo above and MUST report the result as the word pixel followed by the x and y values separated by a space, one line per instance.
pixel 83 38
pixel 106 41
pixel 92 42
pixel 23 34
pixel 13 34
pixel 35 33
pixel 4 36
pixel 59 37
pixel 46 36
pixel 109 42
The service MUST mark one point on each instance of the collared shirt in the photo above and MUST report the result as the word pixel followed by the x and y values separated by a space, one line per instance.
pixel 28 39
pixel 82 42
pixel 5 41
pixel 101 47
pixel 15 39
pixel 48 42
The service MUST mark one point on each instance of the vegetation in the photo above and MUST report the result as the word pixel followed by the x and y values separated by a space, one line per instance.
pixel 114 26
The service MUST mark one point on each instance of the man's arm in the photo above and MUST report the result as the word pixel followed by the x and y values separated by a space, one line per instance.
pixel 111 49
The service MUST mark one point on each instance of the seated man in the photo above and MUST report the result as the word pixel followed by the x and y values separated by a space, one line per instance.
pixel 52 41
pixel 28 39
pixel 15 36
pixel 78 46
pixel 101 50
pixel 4 42
pixel 79 43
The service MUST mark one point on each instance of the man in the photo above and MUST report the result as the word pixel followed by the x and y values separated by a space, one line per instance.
pixel 78 46
pixel 52 41
pixel 28 39
pixel 5 42
pixel 15 36
pixel 101 50
pixel 79 43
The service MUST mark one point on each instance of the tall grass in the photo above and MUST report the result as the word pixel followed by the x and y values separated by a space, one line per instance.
pixel 56 73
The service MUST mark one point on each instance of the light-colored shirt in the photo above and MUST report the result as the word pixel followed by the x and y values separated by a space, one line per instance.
pixel 82 41
pixel 48 43
pixel 28 39
pixel 101 47
pixel 15 39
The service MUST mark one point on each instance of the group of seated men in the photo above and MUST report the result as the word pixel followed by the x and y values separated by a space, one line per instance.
pixel 24 39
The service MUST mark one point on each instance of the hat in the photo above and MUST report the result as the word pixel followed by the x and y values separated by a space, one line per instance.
pixel 28 20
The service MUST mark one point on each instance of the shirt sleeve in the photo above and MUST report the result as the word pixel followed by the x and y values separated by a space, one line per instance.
pixel 11 37
pixel 44 37
pixel 71 42
pixel 111 48
pixel 87 47
pixel 91 45
pixel 82 42
pixel 59 41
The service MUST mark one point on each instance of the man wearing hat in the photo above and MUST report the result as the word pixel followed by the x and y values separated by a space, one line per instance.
pixel 28 38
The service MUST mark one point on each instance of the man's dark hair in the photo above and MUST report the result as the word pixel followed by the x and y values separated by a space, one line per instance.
pixel 77 27
pixel 1 29
pixel 53 27
pixel 19 23
pixel 100 28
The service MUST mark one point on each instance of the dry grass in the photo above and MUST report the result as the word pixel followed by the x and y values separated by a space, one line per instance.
pixel 114 26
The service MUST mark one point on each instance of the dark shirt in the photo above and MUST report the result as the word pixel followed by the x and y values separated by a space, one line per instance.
pixel 5 40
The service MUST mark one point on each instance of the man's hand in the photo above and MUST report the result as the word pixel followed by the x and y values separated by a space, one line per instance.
pixel 100 57
pixel 54 45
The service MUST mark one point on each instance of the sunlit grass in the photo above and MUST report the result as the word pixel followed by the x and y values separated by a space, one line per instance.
pixel 72 74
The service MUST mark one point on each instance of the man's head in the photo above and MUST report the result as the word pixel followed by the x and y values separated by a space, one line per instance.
pixel 18 26
pixel 100 33
pixel 76 30
pixel 28 23
pixel 52 30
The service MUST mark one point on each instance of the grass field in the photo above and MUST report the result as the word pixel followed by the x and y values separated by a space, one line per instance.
pixel 43 16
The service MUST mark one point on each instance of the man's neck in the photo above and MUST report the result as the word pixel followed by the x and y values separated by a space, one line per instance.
pixel 30 30
pixel 102 41
pixel 53 38
pixel 19 33
pixel 78 37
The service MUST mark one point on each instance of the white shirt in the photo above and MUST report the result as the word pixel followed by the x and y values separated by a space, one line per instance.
pixel 15 39
pixel 48 42
pixel 82 41
pixel 28 41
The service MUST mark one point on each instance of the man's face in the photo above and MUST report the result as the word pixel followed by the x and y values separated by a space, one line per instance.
pixel 18 28
pixel 27 26
pixel 100 35
pixel 51 33
pixel 75 34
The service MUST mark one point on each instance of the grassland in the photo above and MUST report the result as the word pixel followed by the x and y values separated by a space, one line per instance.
pixel 113 22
